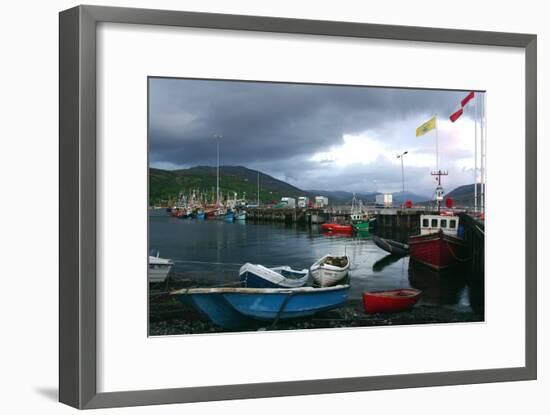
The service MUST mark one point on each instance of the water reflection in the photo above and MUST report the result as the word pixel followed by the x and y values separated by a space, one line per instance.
pixel 211 252
pixel 438 287
pixel 384 262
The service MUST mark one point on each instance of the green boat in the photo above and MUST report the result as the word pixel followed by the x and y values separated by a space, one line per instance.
pixel 361 225
pixel 359 219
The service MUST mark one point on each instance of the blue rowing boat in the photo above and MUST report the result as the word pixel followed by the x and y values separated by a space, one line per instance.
pixel 235 308
pixel 215 308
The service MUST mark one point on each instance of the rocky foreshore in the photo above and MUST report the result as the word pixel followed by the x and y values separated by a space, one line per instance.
pixel 167 317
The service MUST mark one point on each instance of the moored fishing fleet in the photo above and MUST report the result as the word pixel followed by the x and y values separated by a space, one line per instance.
pixel 197 206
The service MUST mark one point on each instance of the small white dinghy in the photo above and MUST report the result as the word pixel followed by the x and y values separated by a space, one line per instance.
pixel 258 276
pixel 330 270
pixel 159 268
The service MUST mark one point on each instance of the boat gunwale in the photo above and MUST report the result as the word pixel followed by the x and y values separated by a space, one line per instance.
pixel 416 239
pixel 388 293
pixel 159 260
pixel 246 290
pixel 319 264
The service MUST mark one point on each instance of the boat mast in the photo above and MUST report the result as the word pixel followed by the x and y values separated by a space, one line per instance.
pixel 439 189
pixel 218 173
pixel 258 190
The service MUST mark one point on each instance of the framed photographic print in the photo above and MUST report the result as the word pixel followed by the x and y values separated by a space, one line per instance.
pixel 308 206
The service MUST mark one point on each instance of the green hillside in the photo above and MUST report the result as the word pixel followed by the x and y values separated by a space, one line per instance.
pixel 165 185
pixel 463 196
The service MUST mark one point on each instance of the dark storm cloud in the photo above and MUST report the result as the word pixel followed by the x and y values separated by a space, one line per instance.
pixel 265 121
pixel 275 127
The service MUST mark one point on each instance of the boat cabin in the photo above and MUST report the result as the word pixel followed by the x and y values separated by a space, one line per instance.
pixel 434 223
pixel 358 217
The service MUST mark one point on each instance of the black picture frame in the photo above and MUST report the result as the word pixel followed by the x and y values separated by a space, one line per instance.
pixel 77 154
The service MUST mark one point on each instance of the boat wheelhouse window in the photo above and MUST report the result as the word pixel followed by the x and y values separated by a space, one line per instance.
pixel 443 223
pixel 425 223
pixel 452 223
pixel 434 223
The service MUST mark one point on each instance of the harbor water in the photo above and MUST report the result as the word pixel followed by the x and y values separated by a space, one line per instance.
pixel 209 253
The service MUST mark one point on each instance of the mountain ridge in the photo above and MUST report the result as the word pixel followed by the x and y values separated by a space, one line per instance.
pixel 166 185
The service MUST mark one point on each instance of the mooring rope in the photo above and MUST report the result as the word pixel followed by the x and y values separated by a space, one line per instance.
pixel 456 257
pixel 281 310
pixel 227 284
pixel 182 261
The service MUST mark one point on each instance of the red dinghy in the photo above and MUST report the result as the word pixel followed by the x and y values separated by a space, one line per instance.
pixel 390 301
pixel 337 227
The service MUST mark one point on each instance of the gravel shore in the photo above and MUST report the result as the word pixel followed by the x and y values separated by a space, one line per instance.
pixel 168 317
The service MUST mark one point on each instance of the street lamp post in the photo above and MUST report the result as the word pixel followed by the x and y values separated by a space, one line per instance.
pixel 400 156
pixel 218 137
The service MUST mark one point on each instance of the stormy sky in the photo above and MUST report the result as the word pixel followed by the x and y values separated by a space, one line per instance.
pixel 312 136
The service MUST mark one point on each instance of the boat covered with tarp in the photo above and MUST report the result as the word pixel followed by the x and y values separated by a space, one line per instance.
pixel 258 276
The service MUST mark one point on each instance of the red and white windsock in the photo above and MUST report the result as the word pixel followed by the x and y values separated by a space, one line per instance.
pixel 456 115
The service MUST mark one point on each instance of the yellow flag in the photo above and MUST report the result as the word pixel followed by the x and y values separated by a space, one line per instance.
pixel 427 126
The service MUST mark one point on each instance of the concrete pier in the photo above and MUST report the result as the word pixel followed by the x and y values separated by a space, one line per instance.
pixel 389 220
pixel 288 215
pixel 398 224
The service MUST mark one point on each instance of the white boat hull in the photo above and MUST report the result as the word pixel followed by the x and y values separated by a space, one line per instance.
pixel 159 274
pixel 159 269
pixel 326 275
pixel 327 278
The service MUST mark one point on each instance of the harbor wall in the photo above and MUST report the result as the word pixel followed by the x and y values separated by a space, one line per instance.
pixel 290 215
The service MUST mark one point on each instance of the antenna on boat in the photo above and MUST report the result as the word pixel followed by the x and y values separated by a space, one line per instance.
pixel 439 189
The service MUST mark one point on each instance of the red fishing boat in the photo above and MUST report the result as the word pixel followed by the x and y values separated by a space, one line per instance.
pixel 179 213
pixel 391 301
pixel 337 227
pixel 438 245
pixel 213 211
pixel 210 213
pixel 438 249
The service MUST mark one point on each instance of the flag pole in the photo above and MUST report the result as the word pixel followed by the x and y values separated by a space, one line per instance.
pixel 483 154
pixel 475 153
